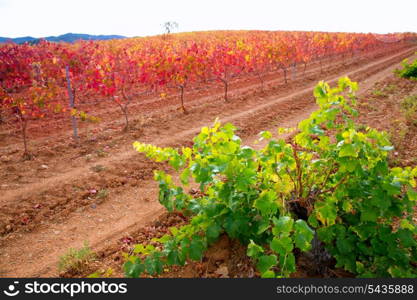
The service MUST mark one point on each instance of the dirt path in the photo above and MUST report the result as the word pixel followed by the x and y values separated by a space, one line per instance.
pixel 36 253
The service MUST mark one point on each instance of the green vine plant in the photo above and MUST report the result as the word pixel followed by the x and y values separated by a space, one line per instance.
pixel 409 70
pixel 330 185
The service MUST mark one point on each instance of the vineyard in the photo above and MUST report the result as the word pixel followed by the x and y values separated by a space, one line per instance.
pixel 69 114
pixel 49 78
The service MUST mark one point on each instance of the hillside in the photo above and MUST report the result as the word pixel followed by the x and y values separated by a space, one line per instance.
pixel 68 37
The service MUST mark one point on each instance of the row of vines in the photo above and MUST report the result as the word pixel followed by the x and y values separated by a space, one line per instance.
pixel 36 80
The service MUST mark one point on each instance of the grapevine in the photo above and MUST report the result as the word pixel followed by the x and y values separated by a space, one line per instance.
pixel 330 183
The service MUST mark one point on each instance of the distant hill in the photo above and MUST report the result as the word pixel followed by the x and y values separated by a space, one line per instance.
pixel 68 37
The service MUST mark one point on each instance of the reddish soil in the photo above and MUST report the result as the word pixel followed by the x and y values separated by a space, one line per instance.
pixel 102 190
pixel 382 108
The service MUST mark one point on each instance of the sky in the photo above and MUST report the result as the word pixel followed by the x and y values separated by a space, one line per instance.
pixel 40 18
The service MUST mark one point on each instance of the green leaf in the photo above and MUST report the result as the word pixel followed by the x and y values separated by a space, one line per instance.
pixel 150 265
pixel 174 230
pixel 139 249
pixel 265 135
pixel 287 264
pixel 172 258
pixel 347 261
pixel 365 230
pixel 378 247
pixel 348 150
pixel 397 272
pixel 345 246
pixel 312 220
pixel 266 262
pixel 213 232
pixel 266 203
pixel 320 90
pixel 254 250
pixel 405 224
pixel 282 245
pixel 326 212
pixel 268 274
pixel 325 234
pixel 360 268
pixel 196 249
pixel 317 130
pixel 412 194
pixel 185 175
pixel 364 248
pixel 283 225
pixel 303 235
pixel 133 269
pixel 369 215
pixel 263 225
pixel 406 238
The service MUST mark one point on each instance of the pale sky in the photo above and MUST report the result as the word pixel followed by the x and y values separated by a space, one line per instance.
pixel 40 18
